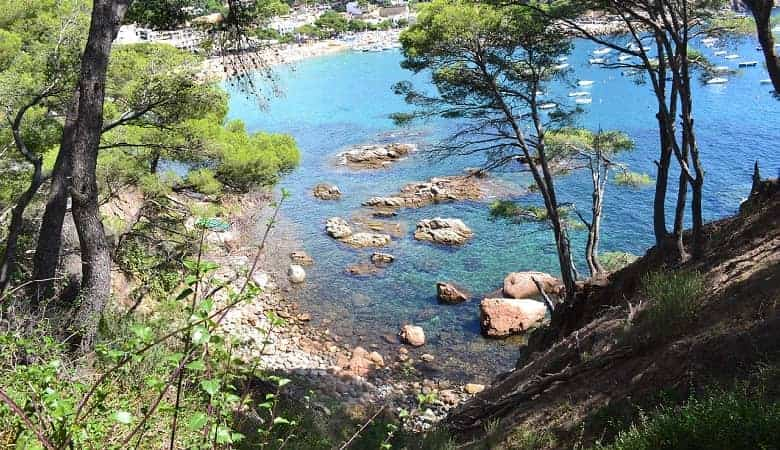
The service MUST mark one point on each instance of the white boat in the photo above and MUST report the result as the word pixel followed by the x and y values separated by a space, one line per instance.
pixel 579 94
pixel 586 83
pixel 561 66
pixel 563 59
pixel 596 60
pixel 717 81
pixel 767 81
pixel 710 40
pixel 721 69
pixel 748 64
pixel 732 56
pixel 624 57
pixel 602 51
pixel 548 106
pixel 583 101
pixel 720 53
pixel 539 93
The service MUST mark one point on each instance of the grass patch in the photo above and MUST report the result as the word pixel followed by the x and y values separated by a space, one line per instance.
pixel 614 261
pixel 720 420
pixel 675 299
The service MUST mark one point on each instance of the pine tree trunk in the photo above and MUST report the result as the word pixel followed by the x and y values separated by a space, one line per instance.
pixel 95 256
pixel 762 13
pixel 49 246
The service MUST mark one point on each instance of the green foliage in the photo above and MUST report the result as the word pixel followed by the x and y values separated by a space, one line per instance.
pixel 633 179
pixel 158 14
pixel 675 300
pixel 249 160
pixel 331 23
pixel 567 143
pixel 614 261
pixel 204 181
pixel 727 420
pixel 507 209
pixel 525 439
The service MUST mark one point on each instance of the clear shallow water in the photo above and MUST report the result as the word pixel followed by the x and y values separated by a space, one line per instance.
pixel 341 100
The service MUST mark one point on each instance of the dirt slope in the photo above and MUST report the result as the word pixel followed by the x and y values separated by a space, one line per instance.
pixel 588 368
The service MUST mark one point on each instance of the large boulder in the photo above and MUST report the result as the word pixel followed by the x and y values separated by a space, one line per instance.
pixel 374 156
pixel 364 240
pixel 502 317
pixel 435 190
pixel 338 228
pixel 443 231
pixel 521 284
pixel 327 191
pixel 412 335
pixel 450 294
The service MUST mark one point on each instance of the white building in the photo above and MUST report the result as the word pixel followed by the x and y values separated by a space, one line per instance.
pixel 183 38
pixel 354 9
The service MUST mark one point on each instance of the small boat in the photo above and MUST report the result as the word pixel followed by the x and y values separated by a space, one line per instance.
pixel 586 83
pixel 720 53
pixel 710 40
pixel 732 56
pixel 596 60
pixel 539 93
pixel 624 57
pixel 748 64
pixel 721 69
pixel 563 59
pixel 717 81
pixel 583 101
pixel 561 66
pixel 548 106
pixel 767 81
pixel 602 51
pixel 579 94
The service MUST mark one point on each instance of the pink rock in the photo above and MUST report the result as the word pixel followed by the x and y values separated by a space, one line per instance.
pixel 501 317
pixel 521 285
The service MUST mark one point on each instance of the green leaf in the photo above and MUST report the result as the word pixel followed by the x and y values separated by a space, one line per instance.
pixel 200 335
pixel 123 417
pixel 281 421
pixel 197 421
pixel 197 365
pixel 210 386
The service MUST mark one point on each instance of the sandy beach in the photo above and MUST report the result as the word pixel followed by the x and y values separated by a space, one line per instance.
pixel 223 67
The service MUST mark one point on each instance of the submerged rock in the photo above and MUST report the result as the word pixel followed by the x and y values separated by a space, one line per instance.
pixel 521 284
pixel 502 317
pixel 301 258
pixel 448 293
pixel 374 156
pixel 362 269
pixel 412 335
pixel 327 191
pixel 338 228
pixel 443 231
pixel 296 274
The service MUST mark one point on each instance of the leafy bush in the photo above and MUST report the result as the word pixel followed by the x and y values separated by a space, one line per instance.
pixel 246 160
pixel 614 261
pixel 675 300
pixel 721 420
pixel 633 179
pixel 204 181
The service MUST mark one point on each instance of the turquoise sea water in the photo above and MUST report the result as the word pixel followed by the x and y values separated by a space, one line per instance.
pixel 336 101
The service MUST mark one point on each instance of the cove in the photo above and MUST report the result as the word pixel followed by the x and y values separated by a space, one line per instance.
pixel 336 101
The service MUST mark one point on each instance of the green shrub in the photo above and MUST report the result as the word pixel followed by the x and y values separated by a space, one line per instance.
pixel 204 181
pixel 721 420
pixel 633 179
pixel 675 300
pixel 614 261
pixel 259 159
